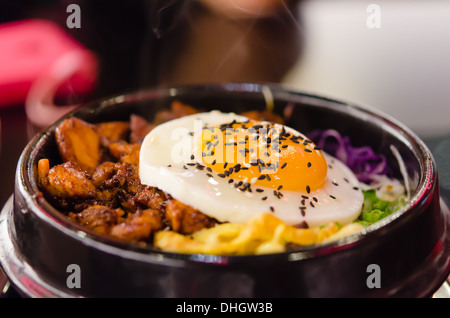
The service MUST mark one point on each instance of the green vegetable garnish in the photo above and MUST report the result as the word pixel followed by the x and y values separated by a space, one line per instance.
pixel 375 209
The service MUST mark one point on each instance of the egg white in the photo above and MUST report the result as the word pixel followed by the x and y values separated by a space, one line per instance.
pixel 167 149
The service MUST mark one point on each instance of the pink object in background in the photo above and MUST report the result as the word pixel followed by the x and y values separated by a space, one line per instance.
pixel 39 52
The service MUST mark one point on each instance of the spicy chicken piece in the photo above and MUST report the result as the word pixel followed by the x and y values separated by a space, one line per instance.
pixel 113 131
pixel 99 218
pixel 117 184
pixel 139 128
pixel 79 141
pixel 127 176
pixel 67 181
pixel 125 152
pixel 185 219
pixel 102 173
pixel 138 226
pixel 151 197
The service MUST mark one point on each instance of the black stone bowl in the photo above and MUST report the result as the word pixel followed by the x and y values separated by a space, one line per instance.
pixel 404 255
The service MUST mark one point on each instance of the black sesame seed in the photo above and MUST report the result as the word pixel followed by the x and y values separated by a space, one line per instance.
pixel 262 177
pixel 259 190
pixel 272 209
pixel 333 197
pixel 192 157
pixel 302 210
pixel 264 198
pixel 308 189
pixel 309 164
pixel 221 175
pixel 308 150
pixel 283 165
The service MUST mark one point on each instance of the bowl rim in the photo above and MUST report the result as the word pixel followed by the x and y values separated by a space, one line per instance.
pixel 47 213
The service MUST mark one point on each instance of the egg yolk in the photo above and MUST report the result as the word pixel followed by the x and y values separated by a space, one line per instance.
pixel 261 154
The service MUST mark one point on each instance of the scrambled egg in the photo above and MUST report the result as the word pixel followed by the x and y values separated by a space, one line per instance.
pixel 262 235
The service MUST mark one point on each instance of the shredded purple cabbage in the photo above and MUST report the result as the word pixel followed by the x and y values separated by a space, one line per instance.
pixel 363 161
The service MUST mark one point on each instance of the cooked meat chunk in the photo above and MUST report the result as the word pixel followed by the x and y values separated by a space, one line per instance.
pixel 138 226
pixel 139 128
pixel 66 185
pixel 68 180
pixel 102 173
pixel 98 218
pixel 185 219
pixel 125 152
pixel 127 176
pixel 79 142
pixel 113 131
pixel 152 198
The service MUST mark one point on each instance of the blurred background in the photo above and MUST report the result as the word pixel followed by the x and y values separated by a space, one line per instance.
pixel 392 55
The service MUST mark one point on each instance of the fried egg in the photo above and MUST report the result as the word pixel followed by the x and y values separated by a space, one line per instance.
pixel 233 168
